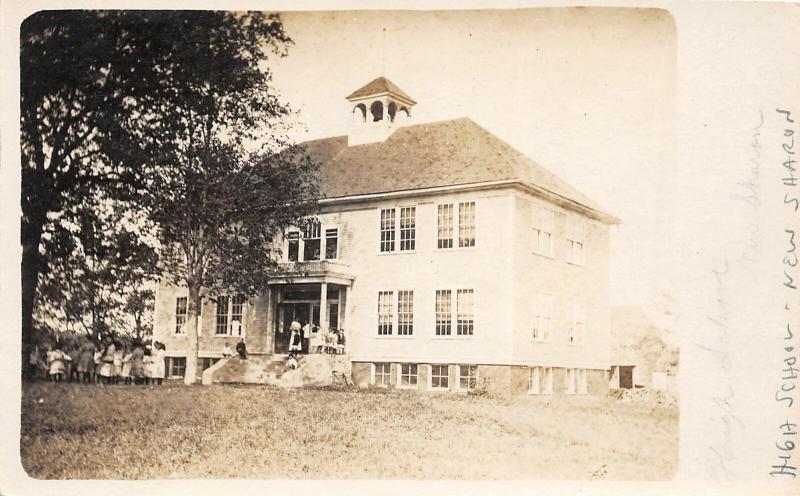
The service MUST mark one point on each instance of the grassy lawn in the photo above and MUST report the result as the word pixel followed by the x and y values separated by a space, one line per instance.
pixel 174 431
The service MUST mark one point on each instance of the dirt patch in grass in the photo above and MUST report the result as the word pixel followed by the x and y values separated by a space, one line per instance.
pixel 258 432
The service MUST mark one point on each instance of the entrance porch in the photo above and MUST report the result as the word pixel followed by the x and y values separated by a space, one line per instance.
pixel 314 293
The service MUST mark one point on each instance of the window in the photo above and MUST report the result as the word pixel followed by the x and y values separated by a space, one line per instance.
pixel 385 319
pixel 177 366
pixel 439 376
pixel 294 246
pixel 382 374
pixel 542 317
pixel 465 312
pixel 576 381
pixel 571 386
pixel 311 241
pixel 444 226
pixel 468 377
pixel 331 244
pixel 408 228
pixel 582 382
pixel 462 313
pixel 405 313
pixel 206 363
pixel 237 309
pixel 333 315
pixel 230 315
pixel 535 385
pixel 181 314
pixel 541 380
pixel 576 326
pixel 408 376
pixel 444 311
pixel 466 224
pixel 576 236
pixel 547 380
pixel 222 315
pixel 387 230
pixel 543 220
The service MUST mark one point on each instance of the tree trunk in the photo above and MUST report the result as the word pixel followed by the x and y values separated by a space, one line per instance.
pixel 31 234
pixel 192 338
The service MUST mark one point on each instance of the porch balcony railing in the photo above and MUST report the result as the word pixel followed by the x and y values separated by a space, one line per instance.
pixel 312 266
pixel 332 271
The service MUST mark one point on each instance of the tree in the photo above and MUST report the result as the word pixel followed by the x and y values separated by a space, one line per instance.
pixel 139 305
pixel 100 260
pixel 78 71
pixel 137 103
pixel 227 179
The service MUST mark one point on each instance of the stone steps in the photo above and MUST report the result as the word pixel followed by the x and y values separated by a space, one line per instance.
pixel 313 370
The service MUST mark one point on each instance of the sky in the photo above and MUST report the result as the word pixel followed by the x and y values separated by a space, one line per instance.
pixel 588 93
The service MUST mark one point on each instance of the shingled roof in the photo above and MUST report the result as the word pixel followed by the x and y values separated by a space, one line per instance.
pixel 377 86
pixel 445 153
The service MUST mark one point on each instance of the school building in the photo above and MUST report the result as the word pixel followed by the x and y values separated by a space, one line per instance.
pixel 451 260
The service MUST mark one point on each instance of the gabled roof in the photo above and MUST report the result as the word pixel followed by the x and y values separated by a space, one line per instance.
pixel 377 86
pixel 437 154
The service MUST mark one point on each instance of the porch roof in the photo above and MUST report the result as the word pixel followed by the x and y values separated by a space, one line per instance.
pixel 318 271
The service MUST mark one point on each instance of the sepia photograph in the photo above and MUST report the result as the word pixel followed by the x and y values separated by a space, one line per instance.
pixel 360 244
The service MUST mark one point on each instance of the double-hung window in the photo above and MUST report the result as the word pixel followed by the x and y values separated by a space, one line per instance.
pixel 543 222
pixel 444 312
pixel 181 314
pixel 311 241
pixel 404 220
pixel 542 317
pixel 331 244
pixel 462 313
pixel 465 312
pixel 405 313
pixel 229 317
pixel 408 228
pixel 385 314
pixel 293 250
pixel 387 230
pixel 577 324
pixel 576 241
pixel 452 218
pixel 237 314
pixel 444 226
pixel 222 315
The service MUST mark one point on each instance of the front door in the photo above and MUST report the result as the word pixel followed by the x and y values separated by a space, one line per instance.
pixel 288 312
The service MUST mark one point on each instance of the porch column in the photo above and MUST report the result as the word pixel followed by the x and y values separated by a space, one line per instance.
pixel 323 306
pixel 340 322
pixel 343 312
pixel 269 325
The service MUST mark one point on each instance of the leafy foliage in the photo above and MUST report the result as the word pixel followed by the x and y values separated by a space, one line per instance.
pixel 100 261
pixel 169 112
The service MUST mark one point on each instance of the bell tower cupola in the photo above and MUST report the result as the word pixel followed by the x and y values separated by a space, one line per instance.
pixel 377 108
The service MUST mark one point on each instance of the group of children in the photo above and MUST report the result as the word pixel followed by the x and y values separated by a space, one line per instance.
pixel 109 362
pixel 313 339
